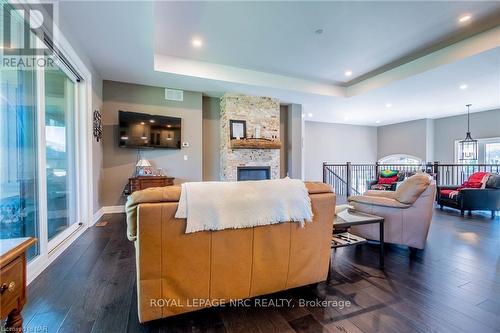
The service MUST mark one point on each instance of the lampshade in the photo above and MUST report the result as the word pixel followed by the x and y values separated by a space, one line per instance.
pixel 143 163
pixel 468 145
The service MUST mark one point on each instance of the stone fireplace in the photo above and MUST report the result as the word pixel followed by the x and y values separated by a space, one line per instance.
pixel 258 112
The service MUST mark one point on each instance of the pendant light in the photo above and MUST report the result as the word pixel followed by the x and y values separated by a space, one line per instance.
pixel 468 145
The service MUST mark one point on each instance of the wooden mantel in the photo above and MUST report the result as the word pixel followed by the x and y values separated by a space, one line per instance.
pixel 255 144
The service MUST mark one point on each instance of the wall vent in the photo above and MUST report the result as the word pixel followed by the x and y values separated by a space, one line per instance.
pixel 174 95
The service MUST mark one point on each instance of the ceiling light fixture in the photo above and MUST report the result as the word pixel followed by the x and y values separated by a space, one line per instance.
pixel 151 120
pixel 309 115
pixel 468 145
pixel 348 73
pixel 318 31
pixel 197 42
pixel 388 105
pixel 463 86
pixel 346 118
pixel 377 121
pixel 464 18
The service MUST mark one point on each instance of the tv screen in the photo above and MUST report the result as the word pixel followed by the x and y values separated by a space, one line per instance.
pixel 141 130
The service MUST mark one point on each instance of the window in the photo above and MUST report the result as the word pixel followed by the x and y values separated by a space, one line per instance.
pixel 492 153
pixel 400 159
pixel 488 152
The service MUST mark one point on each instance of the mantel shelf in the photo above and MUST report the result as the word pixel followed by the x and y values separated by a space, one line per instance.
pixel 255 144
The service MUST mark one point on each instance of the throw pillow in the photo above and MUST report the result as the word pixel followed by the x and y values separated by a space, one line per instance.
pixel 388 180
pixel 409 190
pixel 388 173
pixel 493 181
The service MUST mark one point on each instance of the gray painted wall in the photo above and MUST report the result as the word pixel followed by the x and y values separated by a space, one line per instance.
pixel 447 130
pixel 403 138
pixel 211 139
pixel 119 163
pixel 337 143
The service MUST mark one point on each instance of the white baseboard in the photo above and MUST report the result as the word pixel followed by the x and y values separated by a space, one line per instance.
pixel 113 209
pixel 97 215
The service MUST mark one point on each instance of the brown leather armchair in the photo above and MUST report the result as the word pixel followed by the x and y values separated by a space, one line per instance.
pixel 407 211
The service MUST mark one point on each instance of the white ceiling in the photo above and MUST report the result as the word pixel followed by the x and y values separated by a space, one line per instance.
pixel 122 40
pixel 279 37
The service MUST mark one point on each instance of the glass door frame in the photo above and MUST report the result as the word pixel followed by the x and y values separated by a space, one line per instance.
pixel 50 250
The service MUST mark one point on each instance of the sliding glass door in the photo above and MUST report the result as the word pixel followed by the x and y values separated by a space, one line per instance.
pixel 60 106
pixel 38 147
pixel 19 205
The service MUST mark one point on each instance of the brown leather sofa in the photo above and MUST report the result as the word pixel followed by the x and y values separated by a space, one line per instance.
pixel 178 272
pixel 407 211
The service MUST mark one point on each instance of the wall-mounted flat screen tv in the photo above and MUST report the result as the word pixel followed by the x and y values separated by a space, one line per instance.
pixel 141 130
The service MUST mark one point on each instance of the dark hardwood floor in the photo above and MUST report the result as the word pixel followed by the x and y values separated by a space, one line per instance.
pixel 451 286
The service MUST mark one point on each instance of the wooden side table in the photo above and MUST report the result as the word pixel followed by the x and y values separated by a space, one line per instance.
pixel 13 280
pixel 142 182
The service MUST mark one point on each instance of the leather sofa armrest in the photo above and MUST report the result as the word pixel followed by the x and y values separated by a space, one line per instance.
pixel 480 197
pixel 377 201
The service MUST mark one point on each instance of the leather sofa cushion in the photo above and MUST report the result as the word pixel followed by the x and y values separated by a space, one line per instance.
pixel 409 190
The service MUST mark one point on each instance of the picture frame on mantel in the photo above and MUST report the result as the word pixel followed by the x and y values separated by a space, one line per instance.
pixel 237 129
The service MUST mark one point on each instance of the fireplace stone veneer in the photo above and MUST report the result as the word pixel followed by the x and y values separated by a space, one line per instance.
pixel 256 111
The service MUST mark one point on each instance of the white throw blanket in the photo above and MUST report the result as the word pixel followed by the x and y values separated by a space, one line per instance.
pixel 228 205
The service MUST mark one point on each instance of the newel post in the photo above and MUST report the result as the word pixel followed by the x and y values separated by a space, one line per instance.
pixel 324 172
pixel 348 179
pixel 435 170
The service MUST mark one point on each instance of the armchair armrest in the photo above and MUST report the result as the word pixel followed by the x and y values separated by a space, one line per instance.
pixel 376 193
pixel 477 198
pixel 377 201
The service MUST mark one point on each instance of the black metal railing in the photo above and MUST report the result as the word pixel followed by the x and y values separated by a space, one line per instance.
pixel 348 179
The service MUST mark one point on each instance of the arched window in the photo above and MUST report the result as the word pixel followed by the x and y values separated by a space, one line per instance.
pixel 400 159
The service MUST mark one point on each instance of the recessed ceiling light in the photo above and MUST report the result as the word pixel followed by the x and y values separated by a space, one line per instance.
pixel 151 120
pixel 309 115
pixel 346 118
pixel 303 115
pixel 142 123
pixel 197 42
pixel 463 86
pixel 388 105
pixel 464 18
pixel 377 121
pixel 319 31
pixel 348 73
